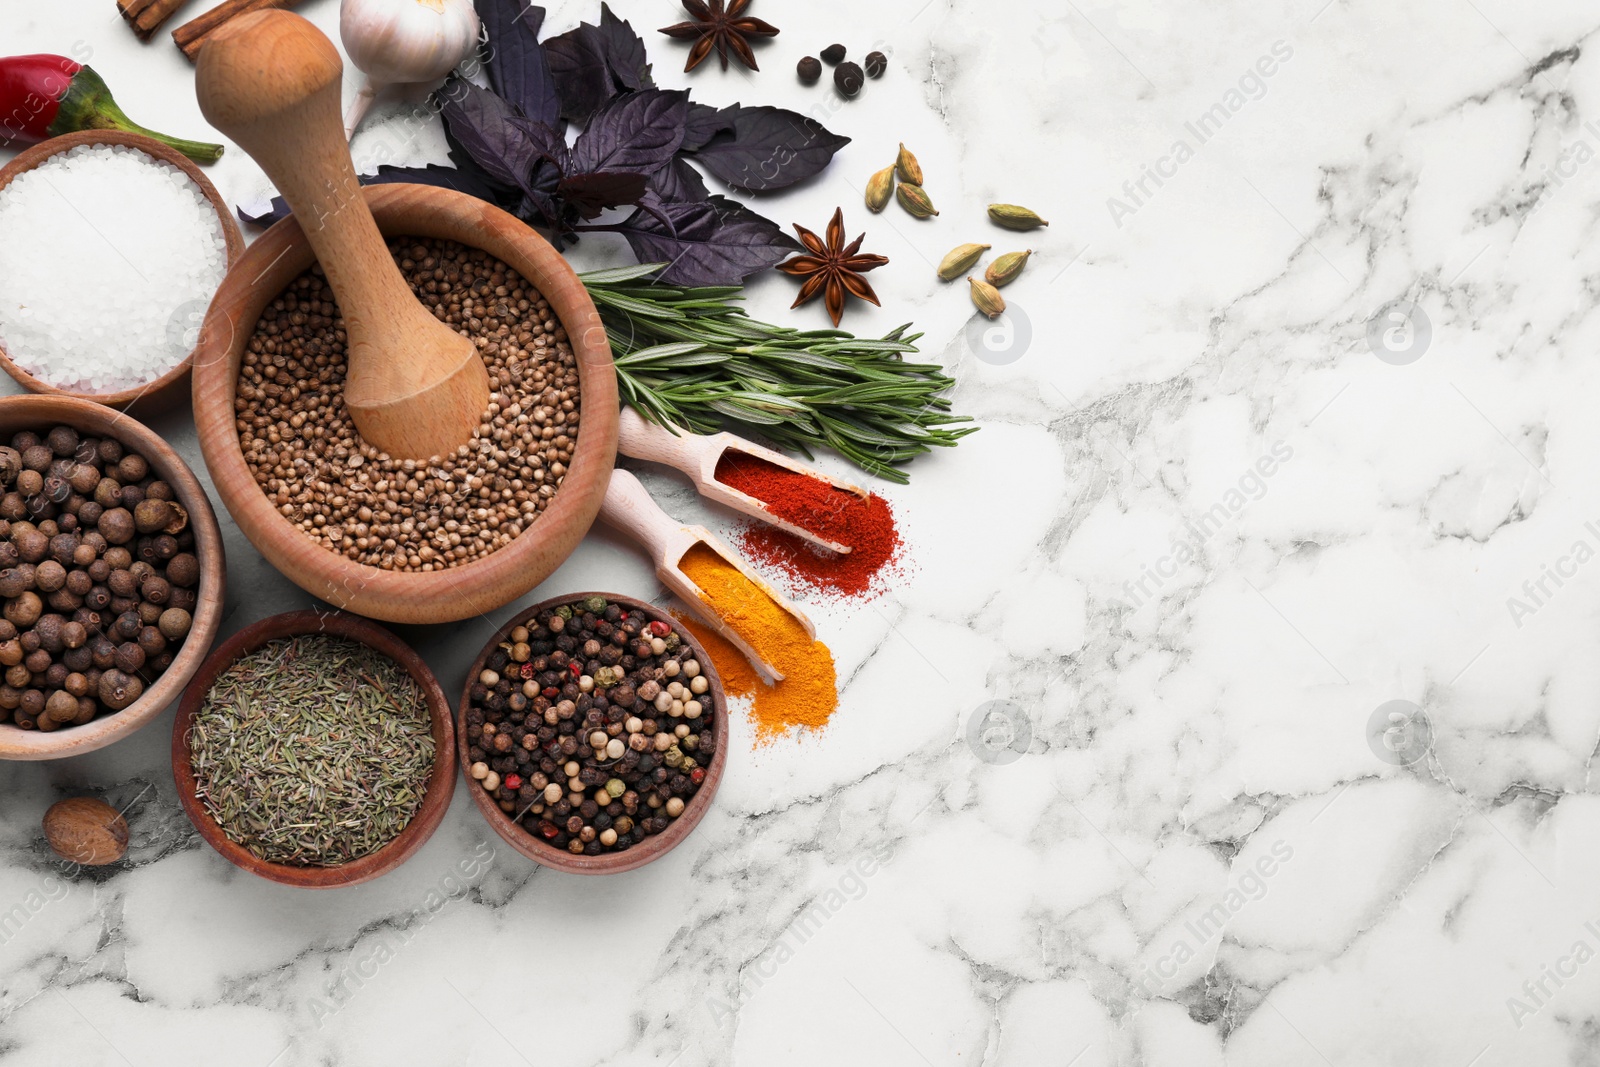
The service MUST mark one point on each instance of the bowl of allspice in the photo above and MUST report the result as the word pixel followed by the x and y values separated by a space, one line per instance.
pixel 111 576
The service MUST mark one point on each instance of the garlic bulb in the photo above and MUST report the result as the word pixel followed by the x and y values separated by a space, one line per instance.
pixel 397 42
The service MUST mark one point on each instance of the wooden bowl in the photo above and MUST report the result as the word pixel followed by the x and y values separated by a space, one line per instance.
pixel 651 848
pixel 40 413
pixel 441 782
pixel 461 592
pixel 31 158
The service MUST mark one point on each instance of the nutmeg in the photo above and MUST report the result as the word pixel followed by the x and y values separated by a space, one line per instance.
pixel 87 831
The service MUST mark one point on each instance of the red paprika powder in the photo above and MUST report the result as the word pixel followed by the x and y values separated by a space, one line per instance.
pixel 866 526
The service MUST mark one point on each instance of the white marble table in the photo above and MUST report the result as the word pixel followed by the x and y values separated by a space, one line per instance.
pixel 1228 503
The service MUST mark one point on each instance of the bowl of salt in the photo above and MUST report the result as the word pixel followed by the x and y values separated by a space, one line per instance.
pixel 111 248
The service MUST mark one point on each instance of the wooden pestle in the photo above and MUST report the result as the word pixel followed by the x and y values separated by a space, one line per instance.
pixel 270 81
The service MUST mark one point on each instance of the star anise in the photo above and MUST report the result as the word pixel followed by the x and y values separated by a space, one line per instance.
pixel 719 28
pixel 832 267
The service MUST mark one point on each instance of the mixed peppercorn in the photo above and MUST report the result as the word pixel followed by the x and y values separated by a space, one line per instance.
pixel 592 726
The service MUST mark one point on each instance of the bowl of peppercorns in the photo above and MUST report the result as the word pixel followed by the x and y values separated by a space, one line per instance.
pixel 111 576
pixel 593 733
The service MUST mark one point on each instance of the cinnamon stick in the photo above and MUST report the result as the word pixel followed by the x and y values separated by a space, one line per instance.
pixel 146 16
pixel 192 35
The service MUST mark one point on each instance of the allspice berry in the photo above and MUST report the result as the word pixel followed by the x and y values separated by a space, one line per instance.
pixel 848 78
pixel 87 831
pixel 183 569
pixel 876 63
pixel 118 689
pixel 152 516
pixel 24 610
pixel 116 526
pixel 61 706
pixel 132 468
pixel 809 69
pixel 62 440
pixel 174 624
pixel 833 54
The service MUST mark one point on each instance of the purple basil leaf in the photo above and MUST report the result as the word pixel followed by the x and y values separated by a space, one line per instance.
pixel 768 148
pixel 635 131
pixel 717 242
pixel 625 54
pixel 578 65
pixel 704 123
pixel 538 203
pixel 590 194
pixel 652 204
pixel 518 70
pixel 678 181
pixel 480 122
pixel 496 136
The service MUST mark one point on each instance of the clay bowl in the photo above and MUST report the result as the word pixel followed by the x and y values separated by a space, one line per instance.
pixel 441 783
pixel 438 596
pixel 40 413
pixel 169 382
pixel 652 848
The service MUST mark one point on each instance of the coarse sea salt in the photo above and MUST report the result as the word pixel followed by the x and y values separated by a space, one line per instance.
pixel 108 259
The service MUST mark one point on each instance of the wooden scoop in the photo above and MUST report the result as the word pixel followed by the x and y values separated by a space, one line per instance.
pixel 697 456
pixel 629 509
pixel 270 81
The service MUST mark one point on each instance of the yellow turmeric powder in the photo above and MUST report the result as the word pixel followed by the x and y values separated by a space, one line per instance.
pixel 808 693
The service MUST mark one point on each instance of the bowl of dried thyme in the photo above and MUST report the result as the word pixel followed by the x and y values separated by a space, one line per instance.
pixel 315 749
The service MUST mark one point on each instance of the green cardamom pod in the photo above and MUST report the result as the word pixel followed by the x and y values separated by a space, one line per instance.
pixel 961 259
pixel 915 200
pixel 1005 269
pixel 880 187
pixel 906 165
pixel 986 298
pixel 1015 217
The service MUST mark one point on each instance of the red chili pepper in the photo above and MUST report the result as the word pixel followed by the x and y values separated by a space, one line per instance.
pixel 513 781
pixel 44 96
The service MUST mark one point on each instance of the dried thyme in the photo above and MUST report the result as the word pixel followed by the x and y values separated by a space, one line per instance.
pixel 312 751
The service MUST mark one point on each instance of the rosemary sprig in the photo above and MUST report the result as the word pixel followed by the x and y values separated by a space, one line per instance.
pixel 691 358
